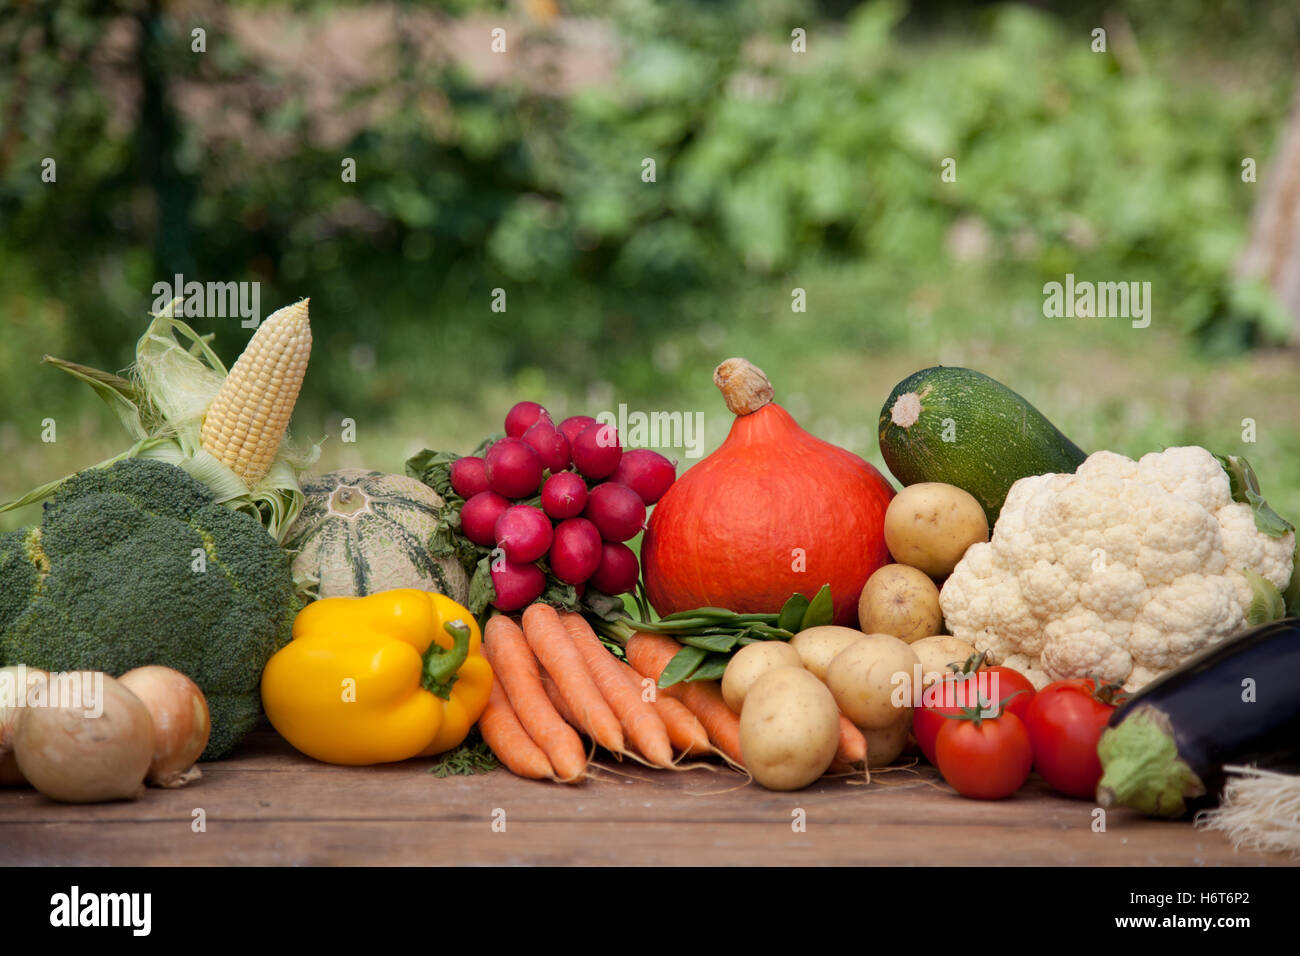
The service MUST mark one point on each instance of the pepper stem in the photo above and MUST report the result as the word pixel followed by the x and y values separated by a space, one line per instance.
pixel 441 665
pixel 1141 767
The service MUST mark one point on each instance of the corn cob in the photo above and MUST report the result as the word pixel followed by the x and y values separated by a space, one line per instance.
pixel 249 417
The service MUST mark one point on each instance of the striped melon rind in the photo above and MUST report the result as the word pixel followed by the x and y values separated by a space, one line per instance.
pixel 361 532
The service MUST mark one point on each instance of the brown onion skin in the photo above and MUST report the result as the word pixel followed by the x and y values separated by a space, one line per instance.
pixel 10 775
pixel 73 758
pixel 179 732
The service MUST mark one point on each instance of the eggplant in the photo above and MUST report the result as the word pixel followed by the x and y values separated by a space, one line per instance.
pixel 1237 703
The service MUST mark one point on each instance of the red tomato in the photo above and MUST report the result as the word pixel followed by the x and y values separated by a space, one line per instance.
pixel 1065 721
pixel 1010 686
pixel 985 758
pixel 959 691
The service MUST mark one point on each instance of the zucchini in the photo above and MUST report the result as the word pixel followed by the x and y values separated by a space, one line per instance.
pixel 962 428
pixel 1237 703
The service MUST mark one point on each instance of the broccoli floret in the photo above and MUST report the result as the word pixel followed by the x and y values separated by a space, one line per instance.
pixel 136 564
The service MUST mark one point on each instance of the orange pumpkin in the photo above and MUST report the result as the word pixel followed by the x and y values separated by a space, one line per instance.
pixel 773 511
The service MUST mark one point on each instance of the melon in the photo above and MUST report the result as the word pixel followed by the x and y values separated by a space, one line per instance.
pixel 361 532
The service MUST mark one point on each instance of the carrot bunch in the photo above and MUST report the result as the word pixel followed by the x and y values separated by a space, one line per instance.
pixel 555 680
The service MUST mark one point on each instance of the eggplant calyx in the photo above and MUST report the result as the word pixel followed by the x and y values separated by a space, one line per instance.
pixel 1141 767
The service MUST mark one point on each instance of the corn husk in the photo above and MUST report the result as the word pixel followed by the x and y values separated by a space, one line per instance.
pixel 161 405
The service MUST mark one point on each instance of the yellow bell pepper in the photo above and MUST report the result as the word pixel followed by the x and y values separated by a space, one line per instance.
pixel 380 678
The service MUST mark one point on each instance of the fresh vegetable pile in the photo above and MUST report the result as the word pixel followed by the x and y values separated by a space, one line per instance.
pixel 1018 605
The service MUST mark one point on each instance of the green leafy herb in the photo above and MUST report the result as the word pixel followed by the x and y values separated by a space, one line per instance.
pixel 474 756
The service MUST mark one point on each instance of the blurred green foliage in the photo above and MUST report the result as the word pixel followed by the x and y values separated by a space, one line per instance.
pixel 773 169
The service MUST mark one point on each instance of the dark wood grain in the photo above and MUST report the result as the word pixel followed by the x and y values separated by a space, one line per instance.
pixel 269 805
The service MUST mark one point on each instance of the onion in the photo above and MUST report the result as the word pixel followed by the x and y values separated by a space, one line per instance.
pixel 87 739
pixel 180 722
pixel 15 683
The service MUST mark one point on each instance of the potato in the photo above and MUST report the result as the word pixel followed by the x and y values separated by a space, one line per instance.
pixel 936 653
pixel 789 730
pixel 749 664
pixel 930 525
pixel 902 601
pixel 866 677
pixel 818 646
pixel 884 745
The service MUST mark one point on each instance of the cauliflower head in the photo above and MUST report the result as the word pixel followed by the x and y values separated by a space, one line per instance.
pixel 1121 570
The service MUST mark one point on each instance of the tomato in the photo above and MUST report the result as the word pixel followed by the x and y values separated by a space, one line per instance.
pixel 987 758
pixel 1065 721
pixel 1011 686
pixel 961 690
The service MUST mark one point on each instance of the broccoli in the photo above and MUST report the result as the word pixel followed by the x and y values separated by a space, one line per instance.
pixel 136 564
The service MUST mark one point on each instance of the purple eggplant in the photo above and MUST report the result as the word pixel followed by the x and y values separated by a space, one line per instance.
pixel 1237 703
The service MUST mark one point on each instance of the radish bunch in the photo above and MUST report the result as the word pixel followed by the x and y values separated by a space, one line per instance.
pixel 564 496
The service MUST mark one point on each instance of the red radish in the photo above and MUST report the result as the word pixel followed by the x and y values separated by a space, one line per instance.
pixel 575 552
pixel 596 451
pixel 521 417
pixel 616 510
pixel 564 495
pixel 513 468
pixel 517 585
pixel 646 472
pixel 469 476
pixel 478 519
pixel 618 569
pixel 571 428
pixel 523 533
pixel 551 446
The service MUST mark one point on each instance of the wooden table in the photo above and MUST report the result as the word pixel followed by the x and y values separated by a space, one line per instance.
pixel 270 805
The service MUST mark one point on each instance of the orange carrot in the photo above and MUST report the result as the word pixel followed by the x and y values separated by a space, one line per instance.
pixel 509 741
pixel 685 731
pixel 650 654
pixel 549 640
pixel 853 745
pixel 516 669
pixel 561 706
pixel 644 727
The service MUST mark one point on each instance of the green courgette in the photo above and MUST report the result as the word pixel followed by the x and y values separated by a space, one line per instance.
pixel 960 427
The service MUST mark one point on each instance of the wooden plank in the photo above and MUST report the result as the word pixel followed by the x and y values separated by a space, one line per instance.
pixel 272 806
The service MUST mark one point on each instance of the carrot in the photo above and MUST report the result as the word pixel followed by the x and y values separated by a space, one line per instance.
pixel 516 669
pixel 509 741
pixel 550 641
pixel 561 706
pixel 650 654
pixel 684 729
pixel 853 745
pixel 644 727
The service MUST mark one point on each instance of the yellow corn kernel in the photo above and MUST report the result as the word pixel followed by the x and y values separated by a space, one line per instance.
pixel 248 419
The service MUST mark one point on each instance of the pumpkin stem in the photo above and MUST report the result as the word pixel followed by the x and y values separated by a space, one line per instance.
pixel 743 385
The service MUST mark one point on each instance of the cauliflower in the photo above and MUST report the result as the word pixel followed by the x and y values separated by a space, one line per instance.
pixel 1122 570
